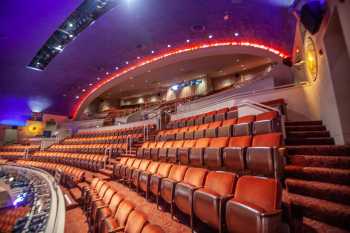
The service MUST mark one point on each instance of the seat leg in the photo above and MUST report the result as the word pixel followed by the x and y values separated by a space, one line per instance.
pixel 191 221
pixel 172 210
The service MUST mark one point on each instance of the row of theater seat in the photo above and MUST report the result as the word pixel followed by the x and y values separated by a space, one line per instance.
pixel 248 125
pixel 258 154
pixel 3 161
pixel 218 115
pixel 70 175
pixel 102 140
pixel 8 217
pixel 92 162
pixel 12 154
pixel 223 200
pixel 114 132
pixel 117 148
pixel 108 211
pixel 19 148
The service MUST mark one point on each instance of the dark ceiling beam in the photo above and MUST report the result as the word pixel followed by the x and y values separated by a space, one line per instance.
pixel 85 15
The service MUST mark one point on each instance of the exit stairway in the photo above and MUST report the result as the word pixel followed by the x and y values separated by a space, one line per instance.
pixel 317 178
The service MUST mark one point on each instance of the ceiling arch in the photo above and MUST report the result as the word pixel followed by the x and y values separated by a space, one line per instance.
pixel 185 52
pixel 132 29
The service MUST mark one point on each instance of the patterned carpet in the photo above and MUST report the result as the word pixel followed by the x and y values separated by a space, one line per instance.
pixel 155 216
pixel 75 221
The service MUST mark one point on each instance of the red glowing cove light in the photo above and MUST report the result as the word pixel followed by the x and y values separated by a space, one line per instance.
pixel 170 52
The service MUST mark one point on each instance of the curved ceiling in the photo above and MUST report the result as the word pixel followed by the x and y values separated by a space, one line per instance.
pixel 133 29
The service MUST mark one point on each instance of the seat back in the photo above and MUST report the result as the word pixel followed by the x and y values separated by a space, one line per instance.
pixel 108 195
pixel 151 228
pixel 215 124
pixel 164 169
pixel 202 143
pixel 159 144
pixel 177 172
pixel 266 116
pixel 153 167
pixel 246 119
pixel 144 165
pixel 203 127
pixel 136 221
pixel 115 201
pixel 242 141
pixel 103 190
pixel 219 142
pixel 222 183
pixel 168 144
pixel 178 144
pixel 136 163
pixel 195 176
pixel 267 140
pixel 123 211
pixel 130 162
pixel 145 145
pixel 94 182
pixel 99 185
pixel 152 144
pixel 189 143
pixel 262 192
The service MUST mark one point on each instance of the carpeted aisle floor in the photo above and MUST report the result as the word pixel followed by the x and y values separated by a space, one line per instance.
pixel 162 218
pixel 76 221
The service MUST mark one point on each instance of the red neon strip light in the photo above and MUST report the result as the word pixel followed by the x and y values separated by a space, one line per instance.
pixel 171 52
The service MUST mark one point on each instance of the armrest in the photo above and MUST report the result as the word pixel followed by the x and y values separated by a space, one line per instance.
pixel 225 198
pixel 119 229
pixel 101 207
pixel 271 214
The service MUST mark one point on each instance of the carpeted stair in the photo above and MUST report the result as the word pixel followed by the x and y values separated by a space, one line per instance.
pixel 307 133
pixel 317 178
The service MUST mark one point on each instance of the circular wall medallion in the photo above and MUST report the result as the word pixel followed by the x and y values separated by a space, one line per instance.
pixel 310 56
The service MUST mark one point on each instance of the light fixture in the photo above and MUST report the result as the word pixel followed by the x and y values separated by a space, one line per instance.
pixel 236 34
pixel 169 45
pixel 127 62
pixel 237 60
pixel 98 79
pixel 70 25
pixel 59 48
pixel 210 36
pixel 187 41
pixel 77 97
pixel 138 58
pixel 71 36
pixel 174 87
pixel 83 90
pixel 107 73
pixel 90 84
pixel 152 51
pixel 116 68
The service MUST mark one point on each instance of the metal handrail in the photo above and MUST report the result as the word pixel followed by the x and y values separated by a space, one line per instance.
pixel 226 96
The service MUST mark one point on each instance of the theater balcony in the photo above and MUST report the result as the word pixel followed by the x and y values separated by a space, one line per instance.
pixel 174 116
